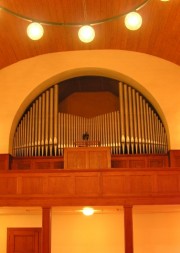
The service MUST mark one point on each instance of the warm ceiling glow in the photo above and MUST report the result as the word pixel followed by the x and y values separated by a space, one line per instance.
pixel 35 31
pixel 88 211
pixel 165 0
pixel 86 33
pixel 133 21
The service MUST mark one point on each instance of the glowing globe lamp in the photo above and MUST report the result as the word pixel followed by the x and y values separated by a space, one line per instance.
pixel 35 31
pixel 86 33
pixel 133 21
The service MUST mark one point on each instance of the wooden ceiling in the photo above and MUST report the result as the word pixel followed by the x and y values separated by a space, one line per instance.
pixel 158 36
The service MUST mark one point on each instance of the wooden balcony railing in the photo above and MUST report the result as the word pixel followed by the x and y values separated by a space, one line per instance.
pixel 90 187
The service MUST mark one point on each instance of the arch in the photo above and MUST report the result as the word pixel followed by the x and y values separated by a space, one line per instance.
pixel 157 76
pixel 77 72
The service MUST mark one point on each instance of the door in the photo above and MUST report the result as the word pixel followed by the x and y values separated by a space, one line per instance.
pixel 24 240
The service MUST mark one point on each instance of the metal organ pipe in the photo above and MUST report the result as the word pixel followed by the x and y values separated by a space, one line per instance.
pixel 131 120
pixel 133 129
pixel 122 112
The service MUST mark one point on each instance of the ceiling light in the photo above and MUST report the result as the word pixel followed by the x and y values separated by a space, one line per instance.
pixel 133 21
pixel 86 33
pixel 165 0
pixel 88 211
pixel 35 31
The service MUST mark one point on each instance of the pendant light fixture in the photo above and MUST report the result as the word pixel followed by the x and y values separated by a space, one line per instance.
pixel 133 21
pixel 35 31
pixel 86 33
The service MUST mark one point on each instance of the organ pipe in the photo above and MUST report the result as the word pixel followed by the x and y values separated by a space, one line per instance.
pixel 126 116
pixel 36 128
pixel 131 119
pixel 47 123
pixel 122 112
pixel 39 125
pixel 51 121
pixel 142 124
pixel 43 125
pixel 135 120
pixel 139 123
pixel 133 129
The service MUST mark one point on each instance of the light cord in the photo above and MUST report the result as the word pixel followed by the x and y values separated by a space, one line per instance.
pixel 71 24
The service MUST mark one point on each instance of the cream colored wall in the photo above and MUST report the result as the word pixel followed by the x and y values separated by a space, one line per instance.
pixel 72 232
pixel 10 221
pixel 157 230
pixel 156 78
pixel 78 233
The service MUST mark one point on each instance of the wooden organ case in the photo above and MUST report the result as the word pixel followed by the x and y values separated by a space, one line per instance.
pixel 87 158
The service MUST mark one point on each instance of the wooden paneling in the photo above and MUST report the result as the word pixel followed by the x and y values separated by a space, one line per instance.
pixel 31 163
pixel 86 185
pixel 139 161
pixel 113 184
pixel 8 184
pixel 24 240
pixel 61 184
pixel 174 156
pixel 170 182
pixel 78 160
pixel 32 185
pixel 99 187
pixel 111 35
pixel 88 157
pixel 5 161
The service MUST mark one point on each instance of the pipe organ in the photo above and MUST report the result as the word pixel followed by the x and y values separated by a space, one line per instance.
pixel 135 128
